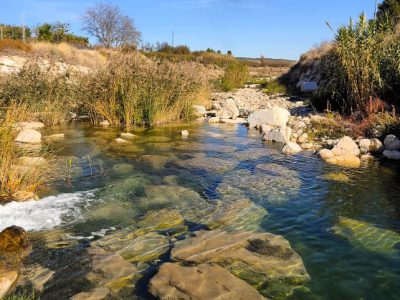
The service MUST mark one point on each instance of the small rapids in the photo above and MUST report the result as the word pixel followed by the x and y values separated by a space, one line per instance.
pixel 45 214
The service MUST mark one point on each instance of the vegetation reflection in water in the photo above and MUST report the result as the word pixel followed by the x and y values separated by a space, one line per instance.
pixel 343 223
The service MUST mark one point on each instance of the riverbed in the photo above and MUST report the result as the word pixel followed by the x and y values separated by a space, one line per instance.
pixel 344 223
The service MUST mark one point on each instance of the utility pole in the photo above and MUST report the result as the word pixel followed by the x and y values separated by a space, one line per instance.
pixel 1 33
pixel 173 38
pixel 23 29
pixel 376 9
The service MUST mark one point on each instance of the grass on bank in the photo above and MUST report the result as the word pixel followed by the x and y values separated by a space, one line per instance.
pixel 236 75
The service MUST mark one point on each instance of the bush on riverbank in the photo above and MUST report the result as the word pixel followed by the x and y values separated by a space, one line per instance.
pixel 131 90
pixel 236 75
pixel 46 93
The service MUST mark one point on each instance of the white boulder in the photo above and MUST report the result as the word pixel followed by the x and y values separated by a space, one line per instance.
pixel 229 110
pixel 185 133
pixel 277 116
pixel 29 136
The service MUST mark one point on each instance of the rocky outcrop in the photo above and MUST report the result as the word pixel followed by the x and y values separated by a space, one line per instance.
pixel 203 282
pixel 29 136
pixel 261 259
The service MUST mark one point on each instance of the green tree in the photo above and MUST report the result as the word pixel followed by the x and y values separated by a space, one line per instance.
pixel 391 9
pixel 14 32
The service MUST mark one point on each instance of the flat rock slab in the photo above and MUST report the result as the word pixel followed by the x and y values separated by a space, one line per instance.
pixel 265 261
pixel 203 282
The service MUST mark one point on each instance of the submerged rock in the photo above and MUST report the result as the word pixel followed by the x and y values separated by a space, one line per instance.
pixel 204 282
pixel 241 215
pixel 367 236
pixel 29 136
pixel 127 136
pixel 157 162
pixel 270 182
pixel 210 164
pixel 123 168
pixel 338 177
pixel 110 273
pixel 265 261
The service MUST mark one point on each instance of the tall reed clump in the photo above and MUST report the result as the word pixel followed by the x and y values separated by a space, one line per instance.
pixel 134 91
pixel 236 75
pixel 362 65
pixel 16 178
pixel 45 89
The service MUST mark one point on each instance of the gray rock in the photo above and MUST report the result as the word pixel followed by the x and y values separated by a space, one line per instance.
pixel 392 154
pixel 392 142
pixel 279 135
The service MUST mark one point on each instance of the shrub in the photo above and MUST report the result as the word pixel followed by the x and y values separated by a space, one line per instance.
pixel 273 87
pixel 236 75
pixel 47 93
pixel 131 90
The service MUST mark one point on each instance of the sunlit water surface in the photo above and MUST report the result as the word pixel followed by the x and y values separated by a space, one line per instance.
pixel 347 231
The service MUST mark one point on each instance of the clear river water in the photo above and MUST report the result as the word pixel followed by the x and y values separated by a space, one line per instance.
pixel 344 223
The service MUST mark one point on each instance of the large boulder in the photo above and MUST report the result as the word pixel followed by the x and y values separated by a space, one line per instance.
pixel 391 142
pixel 371 145
pixel 346 146
pixel 263 260
pixel 29 136
pixel 203 282
pixel 277 116
pixel 279 135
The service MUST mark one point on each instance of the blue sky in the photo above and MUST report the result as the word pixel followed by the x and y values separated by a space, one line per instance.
pixel 274 28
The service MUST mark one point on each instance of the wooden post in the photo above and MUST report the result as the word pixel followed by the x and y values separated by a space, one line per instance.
pixel 1 33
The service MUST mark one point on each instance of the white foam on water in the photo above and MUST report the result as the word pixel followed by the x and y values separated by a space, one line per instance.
pixel 46 213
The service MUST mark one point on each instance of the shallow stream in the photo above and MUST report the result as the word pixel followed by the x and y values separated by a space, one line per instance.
pixel 344 223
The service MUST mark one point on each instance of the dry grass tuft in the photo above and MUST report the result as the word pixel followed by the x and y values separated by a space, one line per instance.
pixel 64 52
pixel 7 45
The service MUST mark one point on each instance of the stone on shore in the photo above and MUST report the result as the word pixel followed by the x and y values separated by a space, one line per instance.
pixel 291 148
pixel 344 154
pixel 276 116
pixel 29 136
pixel 203 282
pixel 104 123
pixel 213 120
pixel 229 110
pixel 199 111
pixel 279 135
